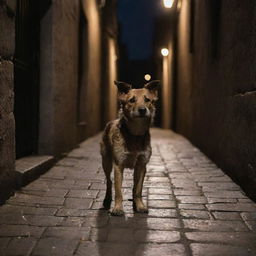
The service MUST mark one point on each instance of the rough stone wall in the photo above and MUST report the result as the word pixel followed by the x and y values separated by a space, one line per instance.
pixel 58 72
pixel 7 123
pixel 216 90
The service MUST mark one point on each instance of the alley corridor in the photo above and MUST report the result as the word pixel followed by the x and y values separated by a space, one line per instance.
pixel 67 68
pixel 194 208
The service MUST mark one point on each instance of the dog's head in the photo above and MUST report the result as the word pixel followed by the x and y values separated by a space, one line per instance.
pixel 138 103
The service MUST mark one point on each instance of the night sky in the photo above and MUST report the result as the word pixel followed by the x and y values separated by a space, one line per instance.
pixel 136 20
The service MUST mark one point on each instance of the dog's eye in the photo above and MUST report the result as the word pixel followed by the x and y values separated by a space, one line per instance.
pixel 147 99
pixel 132 100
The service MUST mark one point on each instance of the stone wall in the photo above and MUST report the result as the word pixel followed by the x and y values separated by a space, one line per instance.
pixel 59 93
pixel 58 77
pixel 216 90
pixel 7 123
pixel 71 82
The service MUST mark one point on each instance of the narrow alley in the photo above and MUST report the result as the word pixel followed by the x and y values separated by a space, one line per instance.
pixel 69 67
pixel 194 208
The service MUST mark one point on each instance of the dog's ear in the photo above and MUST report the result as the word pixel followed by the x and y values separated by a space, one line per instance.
pixel 123 88
pixel 153 85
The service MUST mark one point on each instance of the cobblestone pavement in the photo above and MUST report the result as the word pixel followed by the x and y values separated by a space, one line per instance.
pixel 194 208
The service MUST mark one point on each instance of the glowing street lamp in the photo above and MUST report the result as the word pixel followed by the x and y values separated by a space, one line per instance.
pixel 168 3
pixel 147 77
pixel 165 52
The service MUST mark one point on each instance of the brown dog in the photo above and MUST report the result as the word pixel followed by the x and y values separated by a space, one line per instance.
pixel 126 142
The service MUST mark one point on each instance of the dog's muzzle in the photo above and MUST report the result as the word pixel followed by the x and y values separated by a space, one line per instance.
pixel 141 112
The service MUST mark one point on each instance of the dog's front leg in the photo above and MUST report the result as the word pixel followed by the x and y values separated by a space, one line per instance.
pixel 118 208
pixel 139 174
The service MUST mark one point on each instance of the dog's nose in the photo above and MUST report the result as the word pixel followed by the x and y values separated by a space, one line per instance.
pixel 142 111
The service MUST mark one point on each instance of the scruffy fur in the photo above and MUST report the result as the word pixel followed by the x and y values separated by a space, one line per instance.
pixel 126 143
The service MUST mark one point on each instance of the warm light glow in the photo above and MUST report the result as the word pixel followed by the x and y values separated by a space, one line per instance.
pixel 179 5
pixel 147 77
pixel 165 52
pixel 168 3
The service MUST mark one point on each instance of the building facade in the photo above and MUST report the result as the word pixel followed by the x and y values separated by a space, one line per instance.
pixel 213 84
pixel 53 72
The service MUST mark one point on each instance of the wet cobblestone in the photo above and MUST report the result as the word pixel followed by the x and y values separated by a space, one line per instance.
pixel 194 208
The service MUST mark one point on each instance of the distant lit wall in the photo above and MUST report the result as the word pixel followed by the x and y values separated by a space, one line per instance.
pixel 167 90
pixel 109 62
pixel 112 91
pixel 184 56
pixel 93 92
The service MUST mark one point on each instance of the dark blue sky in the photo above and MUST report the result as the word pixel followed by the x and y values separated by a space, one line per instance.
pixel 136 19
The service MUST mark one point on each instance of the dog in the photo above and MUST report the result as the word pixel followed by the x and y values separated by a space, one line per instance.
pixel 126 143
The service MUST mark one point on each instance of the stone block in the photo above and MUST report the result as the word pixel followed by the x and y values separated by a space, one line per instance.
pixel 31 200
pixel 51 192
pixel 162 224
pixel 249 215
pixel 192 199
pixel 27 210
pixel 161 249
pixel 21 230
pixel 197 214
pixel 164 204
pixel 9 180
pixel 215 225
pixel 185 192
pixel 192 206
pixel 251 224
pixel 106 249
pixel 156 236
pixel 7 32
pixel 231 238
pixel 55 246
pixel 77 203
pixel 99 234
pixel 3 244
pixel 226 215
pixel 238 207
pixel 164 213
pixel 20 246
pixel 217 249
pixel 78 233
pixel 160 191
pixel 83 193
pixel 124 235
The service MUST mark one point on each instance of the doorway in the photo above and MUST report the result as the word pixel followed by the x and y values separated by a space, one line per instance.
pixel 26 77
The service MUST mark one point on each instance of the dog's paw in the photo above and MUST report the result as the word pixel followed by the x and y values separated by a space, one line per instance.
pixel 117 212
pixel 107 203
pixel 141 209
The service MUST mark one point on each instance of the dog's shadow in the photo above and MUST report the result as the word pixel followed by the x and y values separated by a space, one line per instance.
pixel 121 236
